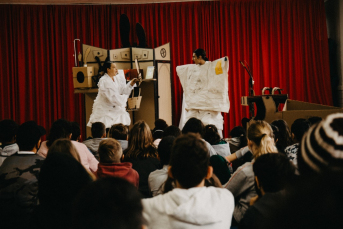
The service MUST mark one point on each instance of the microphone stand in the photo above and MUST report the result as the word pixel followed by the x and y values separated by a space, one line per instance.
pixel 251 88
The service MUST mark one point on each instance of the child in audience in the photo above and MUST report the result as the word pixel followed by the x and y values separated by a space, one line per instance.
pixel 194 125
pixel 62 129
pixel 8 145
pixel 142 154
pixel 158 177
pixel 110 203
pixel 285 138
pixel 110 154
pixel 273 173
pixel 172 131
pixel 157 132
pixel 298 128
pixel 211 135
pixel 64 146
pixel 241 184
pixel 18 178
pixel 76 132
pixel 190 204
pixel 238 139
pixel 120 133
pixel 98 130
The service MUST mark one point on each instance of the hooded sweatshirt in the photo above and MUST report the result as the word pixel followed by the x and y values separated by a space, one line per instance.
pixel 123 170
pixel 199 207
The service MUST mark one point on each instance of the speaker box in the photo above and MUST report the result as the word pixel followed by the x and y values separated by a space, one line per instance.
pixel 82 77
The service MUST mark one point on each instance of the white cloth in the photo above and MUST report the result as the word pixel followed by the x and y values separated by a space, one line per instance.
pixel 222 149
pixel 200 207
pixel 110 104
pixel 156 180
pixel 205 92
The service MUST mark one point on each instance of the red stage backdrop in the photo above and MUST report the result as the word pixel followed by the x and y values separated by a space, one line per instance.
pixel 284 41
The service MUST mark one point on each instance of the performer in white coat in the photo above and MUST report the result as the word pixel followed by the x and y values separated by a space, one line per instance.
pixel 205 86
pixel 110 104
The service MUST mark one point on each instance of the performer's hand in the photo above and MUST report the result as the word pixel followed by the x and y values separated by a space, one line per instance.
pixel 133 81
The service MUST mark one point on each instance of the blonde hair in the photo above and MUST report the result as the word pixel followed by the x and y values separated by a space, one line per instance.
pixel 64 145
pixel 140 142
pixel 110 151
pixel 261 133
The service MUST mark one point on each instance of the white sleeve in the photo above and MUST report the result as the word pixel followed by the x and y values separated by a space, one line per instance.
pixel 116 97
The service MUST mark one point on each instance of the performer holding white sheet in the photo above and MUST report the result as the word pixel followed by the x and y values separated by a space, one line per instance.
pixel 110 104
pixel 205 86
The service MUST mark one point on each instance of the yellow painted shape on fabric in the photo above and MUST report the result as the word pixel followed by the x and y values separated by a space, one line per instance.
pixel 218 68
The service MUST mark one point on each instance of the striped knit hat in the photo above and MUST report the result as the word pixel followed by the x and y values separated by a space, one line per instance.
pixel 322 146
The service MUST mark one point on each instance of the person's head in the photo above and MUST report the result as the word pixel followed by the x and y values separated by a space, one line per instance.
pixel 64 146
pixel 299 128
pixel 211 134
pixel 60 179
pixel 160 125
pixel 76 132
pixel 194 125
pixel 118 132
pixel 164 149
pixel 29 136
pixel 110 151
pixel 321 148
pixel 110 68
pixel 98 130
pixel 260 138
pixel 273 172
pixel 8 131
pixel 285 138
pixel 275 132
pixel 239 132
pixel 114 203
pixel 199 56
pixel 172 131
pixel 61 128
pixel 140 141
pixel 314 120
pixel 190 161
pixel 245 122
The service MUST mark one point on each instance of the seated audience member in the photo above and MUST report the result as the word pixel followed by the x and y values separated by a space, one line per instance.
pixel 18 178
pixel 194 125
pixel 75 132
pixel 62 129
pixel 60 180
pixel 298 129
pixel 190 204
pixel 142 153
pixel 8 145
pixel 158 177
pixel 110 154
pixel 314 120
pixel 273 173
pixel 172 131
pixel 157 132
pixel 212 136
pixel 241 183
pixel 238 139
pixel 64 146
pixel 120 133
pixel 221 169
pixel 284 138
pixel 111 203
pixel 98 130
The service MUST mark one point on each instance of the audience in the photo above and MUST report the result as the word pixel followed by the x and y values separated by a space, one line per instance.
pixel 172 131
pixel 62 129
pixel 60 180
pixel 238 139
pixel 8 145
pixel 158 177
pixel 157 132
pixel 120 133
pixel 76 132
pixel 298 128
pixel 194 125
pixel 142 154
pixel 284 138
pixel 18 178
pixel 64 146
pixel 212 136
pixel 190 204
pixel 98 130
pixel 111 203
pixel 110 153
pixel 241 184
pixel 273 173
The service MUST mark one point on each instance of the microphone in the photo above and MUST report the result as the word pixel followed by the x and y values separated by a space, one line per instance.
pixel 242 63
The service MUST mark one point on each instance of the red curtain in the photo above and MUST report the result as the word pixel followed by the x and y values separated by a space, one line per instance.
pixel 284 41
